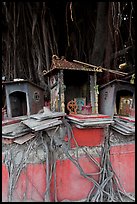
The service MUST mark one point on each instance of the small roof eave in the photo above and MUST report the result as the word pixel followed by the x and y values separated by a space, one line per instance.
pixel 71 68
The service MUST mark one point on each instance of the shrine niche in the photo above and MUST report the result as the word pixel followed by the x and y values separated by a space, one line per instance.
pixel 117 98
pixel 71 83
pixel 23 98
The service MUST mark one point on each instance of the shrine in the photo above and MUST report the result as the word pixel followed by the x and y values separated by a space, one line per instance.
pixel 22 98
pixel 73 87
pixel 117 98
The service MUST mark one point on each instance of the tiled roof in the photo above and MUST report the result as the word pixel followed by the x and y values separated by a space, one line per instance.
pixel 62 63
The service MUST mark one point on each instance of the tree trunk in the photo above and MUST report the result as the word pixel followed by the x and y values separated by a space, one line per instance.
pixel 100 34
pixel 109 41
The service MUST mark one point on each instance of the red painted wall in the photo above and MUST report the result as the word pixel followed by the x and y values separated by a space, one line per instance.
pixel 123 162
pixel 87 136
pixel 70 184
pixel 31 184
pixel 5 181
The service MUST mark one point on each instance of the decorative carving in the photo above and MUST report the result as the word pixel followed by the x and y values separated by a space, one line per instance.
pixel 36 96
pixel 72 107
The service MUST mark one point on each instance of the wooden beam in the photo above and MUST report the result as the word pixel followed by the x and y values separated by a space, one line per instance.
pixel 105 69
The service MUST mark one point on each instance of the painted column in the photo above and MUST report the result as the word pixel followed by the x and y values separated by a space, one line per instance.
pixel 61 92
pixel 92 95
pixel 96 92
pixel 54 92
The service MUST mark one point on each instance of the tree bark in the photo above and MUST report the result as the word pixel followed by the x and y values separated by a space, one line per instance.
pixel 100 34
